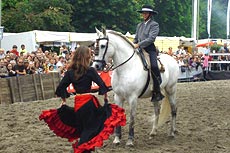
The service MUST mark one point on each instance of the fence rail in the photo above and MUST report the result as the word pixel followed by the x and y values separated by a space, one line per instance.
pixel 28 88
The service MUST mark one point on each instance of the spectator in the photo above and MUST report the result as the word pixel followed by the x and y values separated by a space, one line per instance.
pixel 223 66
pixel 39 50
pixel 206 50
pixel 2 53
pixel 11 70
pixel 226 50
pixel 52 62
pixel 180 51
pixel 63 50
pixel 192 62
pixel 67 56
pixel 46 66
pixel 13 62
pixel 8 58
pixel 181 61
pixel 51 69
pixel 3 70
pixel 23 49
pixel 30 69
pixel 20 68
pixel 60 61
pixel 181 64
pixel 14 50
pixel 170 51
pixel 47 54
pixel 205 59
pixel 38 67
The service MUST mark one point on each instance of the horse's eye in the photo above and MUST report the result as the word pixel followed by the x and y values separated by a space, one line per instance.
pixel 102 46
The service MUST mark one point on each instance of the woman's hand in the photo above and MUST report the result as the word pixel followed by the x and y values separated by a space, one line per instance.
pixel 63 102
pixel 136 46
pixel 106 99
pixel 105 96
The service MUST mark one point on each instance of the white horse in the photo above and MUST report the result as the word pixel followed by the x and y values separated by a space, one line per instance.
pixel 130 80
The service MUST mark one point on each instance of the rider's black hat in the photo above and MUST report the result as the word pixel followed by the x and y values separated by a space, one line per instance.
pixel 147 8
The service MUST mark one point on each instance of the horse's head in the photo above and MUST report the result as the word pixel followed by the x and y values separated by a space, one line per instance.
pixel 101 50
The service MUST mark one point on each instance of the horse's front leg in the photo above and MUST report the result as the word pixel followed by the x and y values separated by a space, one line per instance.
pixel 132 121
pixel 155 118
pixel 118 135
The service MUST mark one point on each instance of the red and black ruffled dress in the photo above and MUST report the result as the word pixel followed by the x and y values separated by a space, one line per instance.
pixel 88 124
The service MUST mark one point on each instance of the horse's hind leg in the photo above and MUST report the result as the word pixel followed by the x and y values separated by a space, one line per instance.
pixel 117 138
pixel 172 100
pixel 155 118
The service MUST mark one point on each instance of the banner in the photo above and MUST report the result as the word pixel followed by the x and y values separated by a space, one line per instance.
pixel 209 14
pixel 106 77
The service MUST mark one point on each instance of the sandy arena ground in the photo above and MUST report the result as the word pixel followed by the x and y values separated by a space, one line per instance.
pixel 203 124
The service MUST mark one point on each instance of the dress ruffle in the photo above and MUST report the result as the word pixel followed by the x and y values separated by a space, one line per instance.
pixel 52 119
pixel 63 122
pixel 117 118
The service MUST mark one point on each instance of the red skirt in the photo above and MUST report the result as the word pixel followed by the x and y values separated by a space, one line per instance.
pixel 86 125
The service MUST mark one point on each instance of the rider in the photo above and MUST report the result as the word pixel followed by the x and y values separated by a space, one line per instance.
pixel 146 33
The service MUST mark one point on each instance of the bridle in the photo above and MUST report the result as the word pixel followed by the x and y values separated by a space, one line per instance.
pixel 96 52
pixel 103 58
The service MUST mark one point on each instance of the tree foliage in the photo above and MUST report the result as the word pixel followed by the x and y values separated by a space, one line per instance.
pixel 114 14
pixel 29 15
pixel 174 18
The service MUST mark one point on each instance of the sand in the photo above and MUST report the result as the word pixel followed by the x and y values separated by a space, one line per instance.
pixel 203 124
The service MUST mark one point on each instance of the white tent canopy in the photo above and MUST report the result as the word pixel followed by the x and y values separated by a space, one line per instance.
pixel 26 38
pixel 32 39
pixel 82 37
pixel 51 36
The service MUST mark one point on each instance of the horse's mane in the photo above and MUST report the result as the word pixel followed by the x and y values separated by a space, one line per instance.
pixel 122 36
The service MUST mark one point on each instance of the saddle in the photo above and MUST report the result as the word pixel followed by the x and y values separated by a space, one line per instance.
pixel 146 60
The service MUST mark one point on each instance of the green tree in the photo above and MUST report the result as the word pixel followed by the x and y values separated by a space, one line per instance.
pixel 218 19
pixel 175 17
pixel 117 15
pixel 30 15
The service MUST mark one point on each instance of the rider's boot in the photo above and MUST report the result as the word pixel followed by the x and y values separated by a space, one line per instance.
pixel 157 95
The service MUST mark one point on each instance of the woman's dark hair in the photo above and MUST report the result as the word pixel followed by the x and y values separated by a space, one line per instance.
pixel 80 61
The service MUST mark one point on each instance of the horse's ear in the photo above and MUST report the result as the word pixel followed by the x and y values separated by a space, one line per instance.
pixel 99 33
pixel 104 30
pixel 97 30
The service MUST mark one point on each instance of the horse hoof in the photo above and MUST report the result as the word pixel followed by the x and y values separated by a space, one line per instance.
pixel 176 132
pixel 150 137
pixel 153 133
pixel 172 136
pixel 129 143
pixel 116 141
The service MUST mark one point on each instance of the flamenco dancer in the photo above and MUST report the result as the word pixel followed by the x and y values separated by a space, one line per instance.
pixel 88 124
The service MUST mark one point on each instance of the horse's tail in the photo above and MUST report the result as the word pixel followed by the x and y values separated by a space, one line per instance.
pixel 165 111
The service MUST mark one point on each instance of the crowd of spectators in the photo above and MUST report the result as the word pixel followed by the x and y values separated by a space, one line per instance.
pixel 186 59
pixel 194 60
pixel 21 62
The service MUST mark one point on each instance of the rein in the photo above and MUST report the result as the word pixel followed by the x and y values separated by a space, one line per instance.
pixel 113 68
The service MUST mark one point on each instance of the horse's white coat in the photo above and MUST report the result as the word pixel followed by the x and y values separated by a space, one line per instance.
pixel 129 79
